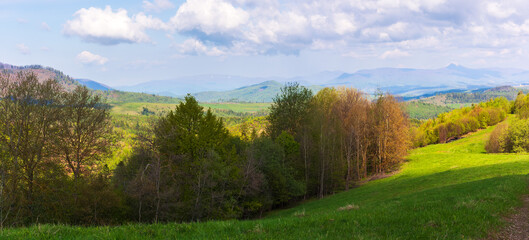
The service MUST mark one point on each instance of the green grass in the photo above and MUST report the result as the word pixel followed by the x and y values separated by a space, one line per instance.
pixel 422 110
pixel 444 191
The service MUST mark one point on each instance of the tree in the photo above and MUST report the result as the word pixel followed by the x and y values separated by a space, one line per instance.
pixel 30 110
pixel 391 133
pixel 326 132
pixel 353 110
pixel 189 171
pixel 290 112
pixel 84 129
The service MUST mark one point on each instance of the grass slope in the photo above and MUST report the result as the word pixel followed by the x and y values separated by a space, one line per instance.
pixel 444 191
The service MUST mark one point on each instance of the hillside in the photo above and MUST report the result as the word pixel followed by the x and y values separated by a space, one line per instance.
pixel 445 191
pixel 93 85
pixel 69 83
pixel 42 73
pixel 460 98
pixel 262 92
pixel 192 84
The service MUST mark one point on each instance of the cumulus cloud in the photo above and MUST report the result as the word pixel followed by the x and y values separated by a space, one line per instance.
pixel 157 5
pixel 195 47
pixel 209 17
pixel 108 27
pixel 22 48
pixel 253 27
pixel 288 27
pixel 89 58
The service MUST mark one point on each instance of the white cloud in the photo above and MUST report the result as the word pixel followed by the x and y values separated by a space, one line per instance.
pixel 260 27
pixel 209 16
pixel 395 53
pixel 104 26
pixel 45 26
pixel 499 11
pixel 87 57
pixel 22 48
pixel 195 47
pixel 157 5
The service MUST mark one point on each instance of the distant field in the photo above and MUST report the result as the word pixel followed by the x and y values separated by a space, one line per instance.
pixel 422 110
pixel 135 108
pixel 238 107
pixel 444 191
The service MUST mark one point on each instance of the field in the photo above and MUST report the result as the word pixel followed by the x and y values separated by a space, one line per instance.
pixel 136 108
pixel 444 191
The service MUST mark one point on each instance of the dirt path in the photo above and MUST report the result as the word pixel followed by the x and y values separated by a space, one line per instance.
pixel 518 225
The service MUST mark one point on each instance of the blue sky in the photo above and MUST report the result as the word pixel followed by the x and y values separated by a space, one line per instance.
pixel 127 42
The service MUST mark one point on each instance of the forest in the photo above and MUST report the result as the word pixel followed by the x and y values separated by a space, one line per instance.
pixel 185 166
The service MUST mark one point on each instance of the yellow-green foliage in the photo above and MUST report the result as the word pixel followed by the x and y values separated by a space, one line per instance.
pixel 512 136
pixel 451 125
pixel 521 105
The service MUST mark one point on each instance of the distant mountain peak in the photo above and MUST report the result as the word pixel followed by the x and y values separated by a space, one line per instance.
pixel 455 66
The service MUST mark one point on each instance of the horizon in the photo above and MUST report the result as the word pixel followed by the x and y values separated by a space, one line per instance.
pixel 268 78
pixel 161 39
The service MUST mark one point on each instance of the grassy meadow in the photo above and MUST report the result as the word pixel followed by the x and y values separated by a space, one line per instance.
pixel 443 191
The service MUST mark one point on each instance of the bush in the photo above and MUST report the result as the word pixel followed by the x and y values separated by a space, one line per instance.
pixel 498 141
pixel 518 136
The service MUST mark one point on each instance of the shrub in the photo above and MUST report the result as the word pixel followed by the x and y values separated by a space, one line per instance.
pixel 498 140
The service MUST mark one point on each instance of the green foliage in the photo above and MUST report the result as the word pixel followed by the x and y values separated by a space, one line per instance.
pixel 290 110
pixel 518 137
pixel 50 142
pixel 445 191
pixel 273 157
pixel 189 170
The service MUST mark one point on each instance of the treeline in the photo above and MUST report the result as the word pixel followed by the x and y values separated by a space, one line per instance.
pixel 512 136
pixel 454 124
pixel 51 144
pixel 189 168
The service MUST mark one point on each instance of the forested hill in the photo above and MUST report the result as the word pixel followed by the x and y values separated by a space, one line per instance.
pixel 262 92
pixel 476 96
pixel 69 83
pixel 42 73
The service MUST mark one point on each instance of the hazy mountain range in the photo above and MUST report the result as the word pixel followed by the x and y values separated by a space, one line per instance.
pixel 406 82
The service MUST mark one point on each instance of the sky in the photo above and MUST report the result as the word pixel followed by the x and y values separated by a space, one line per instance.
pixel 131 41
